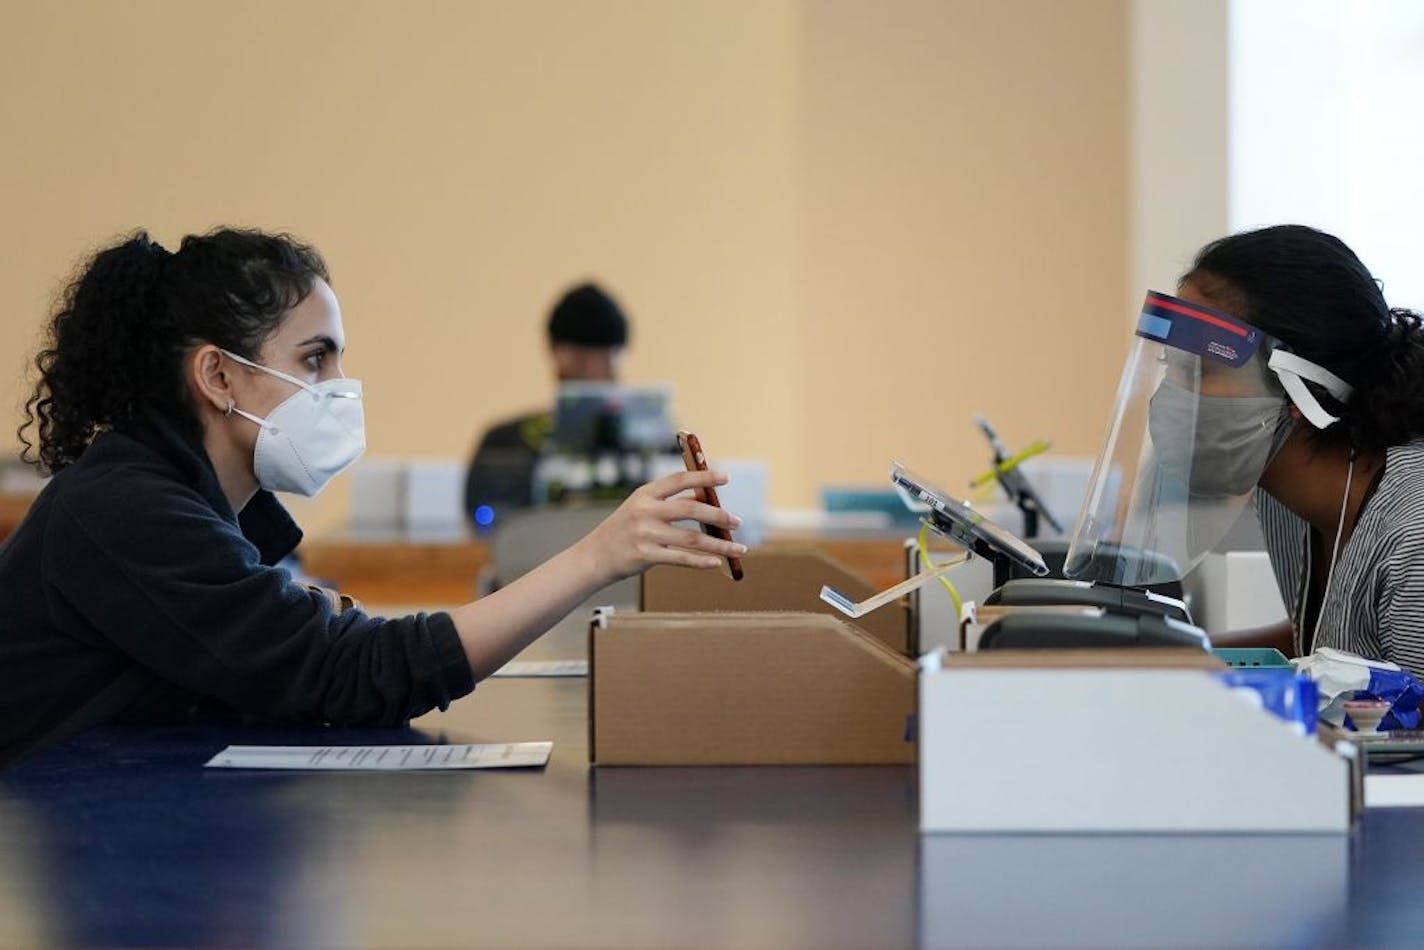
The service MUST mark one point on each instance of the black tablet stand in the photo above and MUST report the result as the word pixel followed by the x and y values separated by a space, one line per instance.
pixel 962 535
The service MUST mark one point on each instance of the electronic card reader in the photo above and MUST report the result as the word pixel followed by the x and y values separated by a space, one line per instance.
pixel 1113 616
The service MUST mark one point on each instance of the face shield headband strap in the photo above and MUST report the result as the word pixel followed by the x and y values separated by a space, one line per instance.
pixel 1293 370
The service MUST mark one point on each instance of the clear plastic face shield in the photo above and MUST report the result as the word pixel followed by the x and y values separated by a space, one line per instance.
pixel 1202 408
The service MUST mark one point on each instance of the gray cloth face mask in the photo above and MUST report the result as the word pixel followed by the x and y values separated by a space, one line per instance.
pixel 1219 445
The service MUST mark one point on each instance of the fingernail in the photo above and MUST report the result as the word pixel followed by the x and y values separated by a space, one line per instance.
pixel 736 522
pixel 740 548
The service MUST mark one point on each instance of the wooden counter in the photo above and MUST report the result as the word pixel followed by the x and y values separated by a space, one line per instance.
pixel 398 570
pixel 12 511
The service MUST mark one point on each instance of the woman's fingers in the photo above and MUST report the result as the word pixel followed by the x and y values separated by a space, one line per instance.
pixel 670 537
pixel 679 482
pixel 682 558
pixel 643 531
pixel 688 509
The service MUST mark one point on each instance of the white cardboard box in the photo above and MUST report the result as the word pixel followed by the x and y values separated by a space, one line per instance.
pixel 932 611
pixel 1235 590
pixel 988 891
pixel 1112 750
pixel 434 497
pixel 378 495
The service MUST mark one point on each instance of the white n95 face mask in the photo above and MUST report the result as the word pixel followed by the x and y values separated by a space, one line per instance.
pixel 311 436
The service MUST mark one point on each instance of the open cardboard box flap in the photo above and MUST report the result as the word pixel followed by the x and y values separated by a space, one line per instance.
pixel 745 689
pixel 786 579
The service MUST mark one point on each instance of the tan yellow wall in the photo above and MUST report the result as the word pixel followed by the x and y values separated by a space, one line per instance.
pixel 964 242
pixel 1178 147
pixel 816 212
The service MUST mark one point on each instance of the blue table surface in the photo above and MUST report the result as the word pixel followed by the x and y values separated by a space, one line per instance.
pixel 121 838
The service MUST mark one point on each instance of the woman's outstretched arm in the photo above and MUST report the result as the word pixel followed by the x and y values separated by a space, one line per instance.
pixel 639 534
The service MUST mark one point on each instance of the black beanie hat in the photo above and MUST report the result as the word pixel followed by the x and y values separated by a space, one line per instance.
pixel 586 316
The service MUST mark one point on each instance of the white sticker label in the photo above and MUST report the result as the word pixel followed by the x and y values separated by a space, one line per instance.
pixel 542 668
pixel 384 758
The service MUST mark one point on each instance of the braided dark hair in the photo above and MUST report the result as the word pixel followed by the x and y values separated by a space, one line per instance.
pixel 116 341
pixel 1309 290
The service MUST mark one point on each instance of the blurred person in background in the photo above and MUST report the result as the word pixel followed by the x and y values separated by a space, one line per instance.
pixel 588 336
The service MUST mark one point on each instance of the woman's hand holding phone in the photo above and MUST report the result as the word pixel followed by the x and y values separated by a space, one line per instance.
pixel 696 461
pixel 642 532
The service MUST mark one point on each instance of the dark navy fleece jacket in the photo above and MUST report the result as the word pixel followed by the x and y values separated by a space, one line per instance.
pixel 132 558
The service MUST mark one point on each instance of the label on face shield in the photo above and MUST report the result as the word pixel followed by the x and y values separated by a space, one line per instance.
pixel 1153 327
pixel 1222 352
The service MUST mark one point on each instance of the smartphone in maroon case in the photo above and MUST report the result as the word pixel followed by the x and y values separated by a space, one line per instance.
pixel 696 461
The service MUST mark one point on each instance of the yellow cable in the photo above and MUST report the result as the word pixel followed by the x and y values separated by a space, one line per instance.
pixel 1011 463
pixel 927 564
pixel 983 495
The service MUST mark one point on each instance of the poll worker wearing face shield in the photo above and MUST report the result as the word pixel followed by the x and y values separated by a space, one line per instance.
pixel 1276 378
pixel 177 392
pixel 588 337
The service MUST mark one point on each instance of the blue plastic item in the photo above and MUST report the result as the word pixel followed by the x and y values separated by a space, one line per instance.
pixel 1401 689
pixel 1288 695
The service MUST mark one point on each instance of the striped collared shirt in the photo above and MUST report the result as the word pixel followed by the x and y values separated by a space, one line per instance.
pixel 1374 605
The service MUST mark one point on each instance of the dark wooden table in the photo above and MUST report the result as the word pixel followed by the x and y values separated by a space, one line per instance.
pixel 121 838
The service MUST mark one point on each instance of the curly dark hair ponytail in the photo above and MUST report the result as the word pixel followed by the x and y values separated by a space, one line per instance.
pixel 1310 291
pixel 116 341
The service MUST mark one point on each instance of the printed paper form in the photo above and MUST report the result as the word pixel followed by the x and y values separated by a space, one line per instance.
pixel 384 758
pixel 543 668
pixel 1386 790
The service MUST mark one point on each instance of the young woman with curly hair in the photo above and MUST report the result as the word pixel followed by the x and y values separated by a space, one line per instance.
pixel 177 391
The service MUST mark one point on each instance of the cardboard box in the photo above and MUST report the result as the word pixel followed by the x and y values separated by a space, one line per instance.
pixel 1014 891
pixel 745 689
pixel 1126 741
pixel 935 621
pixel 1234 590
pixel 779 581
